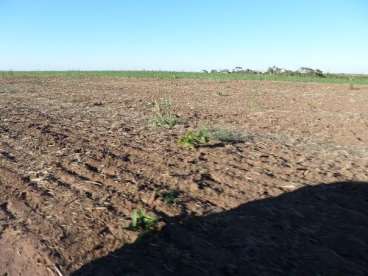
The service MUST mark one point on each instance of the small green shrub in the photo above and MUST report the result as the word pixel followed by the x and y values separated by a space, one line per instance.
pixel 142 221
pixel 163 116
pixel 193 139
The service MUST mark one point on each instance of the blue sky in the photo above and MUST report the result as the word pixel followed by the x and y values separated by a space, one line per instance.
pixel 183 34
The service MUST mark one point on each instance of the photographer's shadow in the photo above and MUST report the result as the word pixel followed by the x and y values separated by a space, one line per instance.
pixel 316 230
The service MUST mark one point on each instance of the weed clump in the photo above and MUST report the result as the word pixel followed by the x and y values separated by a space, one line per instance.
pixel 170 197
pixel 226 136
pixel 142 221
pixel 193 139
pixel 222 94
pixel 163 115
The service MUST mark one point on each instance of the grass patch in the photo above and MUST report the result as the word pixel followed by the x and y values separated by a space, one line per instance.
pixel 170 75
pixel 142 221
pixel 163 115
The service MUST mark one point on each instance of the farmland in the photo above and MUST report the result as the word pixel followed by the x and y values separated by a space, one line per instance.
pixel 149 173
pixel 217 76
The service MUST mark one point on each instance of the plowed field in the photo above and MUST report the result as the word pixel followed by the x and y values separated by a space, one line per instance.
pixel 77 156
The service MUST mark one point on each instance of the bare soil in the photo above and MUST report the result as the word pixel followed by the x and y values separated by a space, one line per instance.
pixel 77 156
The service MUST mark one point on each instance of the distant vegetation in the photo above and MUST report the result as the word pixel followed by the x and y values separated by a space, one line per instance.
pixel 274 73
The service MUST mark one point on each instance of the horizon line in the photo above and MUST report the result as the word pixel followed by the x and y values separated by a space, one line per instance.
pixel 203 71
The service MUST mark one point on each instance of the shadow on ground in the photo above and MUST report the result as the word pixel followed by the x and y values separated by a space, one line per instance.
pixel 317 230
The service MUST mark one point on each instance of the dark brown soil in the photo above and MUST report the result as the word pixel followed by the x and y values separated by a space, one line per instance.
pixel 77 156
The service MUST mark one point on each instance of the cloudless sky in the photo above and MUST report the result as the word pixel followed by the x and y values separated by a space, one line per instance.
pixel 183 34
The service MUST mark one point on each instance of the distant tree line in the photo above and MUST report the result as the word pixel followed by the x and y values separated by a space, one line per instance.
pixel 274 70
